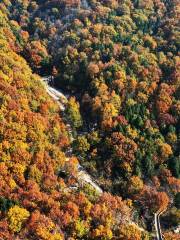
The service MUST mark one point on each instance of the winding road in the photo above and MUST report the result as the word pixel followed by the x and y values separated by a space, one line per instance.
pixel 158 225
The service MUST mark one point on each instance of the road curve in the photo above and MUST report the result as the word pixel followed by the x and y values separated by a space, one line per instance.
pixel 158 225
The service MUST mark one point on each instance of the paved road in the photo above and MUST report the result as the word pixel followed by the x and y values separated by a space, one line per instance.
pixel 158 225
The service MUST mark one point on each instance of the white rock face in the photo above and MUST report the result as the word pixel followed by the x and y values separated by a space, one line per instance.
pixel 61 99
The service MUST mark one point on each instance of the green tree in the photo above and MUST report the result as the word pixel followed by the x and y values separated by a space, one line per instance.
pixel 81 145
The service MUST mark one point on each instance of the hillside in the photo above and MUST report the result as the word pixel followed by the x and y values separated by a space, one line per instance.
pixel 118 62
pixel 34 202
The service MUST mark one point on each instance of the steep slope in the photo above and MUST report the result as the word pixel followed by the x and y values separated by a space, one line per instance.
pixel 121 61
pixel 35 201
pixel 119 58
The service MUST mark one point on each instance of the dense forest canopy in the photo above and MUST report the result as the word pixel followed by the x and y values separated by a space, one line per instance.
pixel 118 60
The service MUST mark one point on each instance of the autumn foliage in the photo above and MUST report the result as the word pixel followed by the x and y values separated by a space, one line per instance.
pixel 118 62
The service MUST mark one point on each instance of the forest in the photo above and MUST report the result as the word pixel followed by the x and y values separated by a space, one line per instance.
pixel 117 61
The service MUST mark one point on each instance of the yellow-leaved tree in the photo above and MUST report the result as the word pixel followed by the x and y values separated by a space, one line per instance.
pixel 16 217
